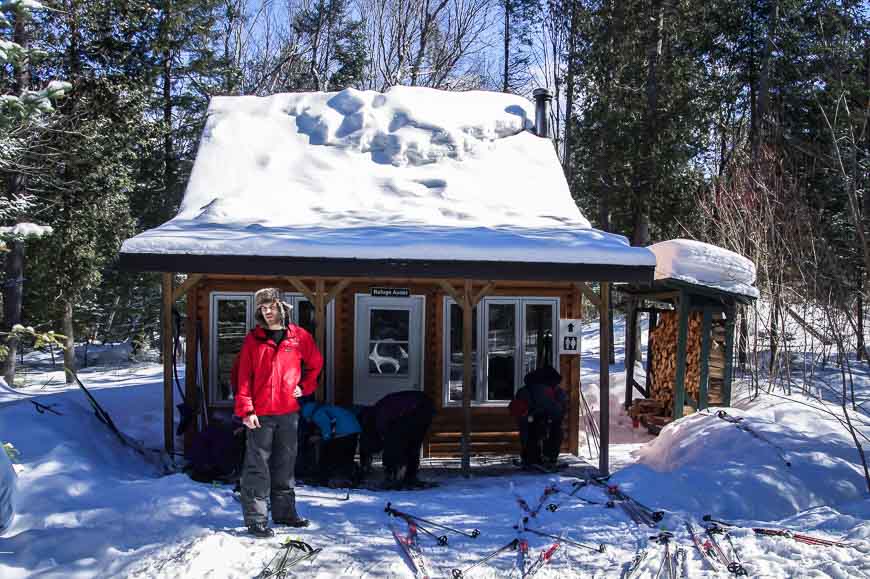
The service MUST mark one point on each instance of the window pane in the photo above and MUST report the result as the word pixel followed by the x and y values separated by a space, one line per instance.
pixel 501 342
pixel 538 339
pixel 305 316
pixel 389 332
pixel 232 325
pixel 457 363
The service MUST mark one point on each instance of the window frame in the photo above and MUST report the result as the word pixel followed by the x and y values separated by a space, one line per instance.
pixel 482 343
pixel 294 299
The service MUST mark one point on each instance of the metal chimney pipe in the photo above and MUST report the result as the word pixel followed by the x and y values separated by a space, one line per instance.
pixel 542 112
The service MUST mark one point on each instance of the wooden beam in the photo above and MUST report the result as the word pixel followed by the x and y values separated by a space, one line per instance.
pixel 653 318
pixel 574 384
pixel 320 329
pixel 483 293
pixel 166 340
pixel 303 289
pixel 451 291
pixel 467 337
pixel 706 334
pixel 337 289
pixel 603 380
pixel 590 295
pixel 191 281
pixel 682 339
pixel 630 352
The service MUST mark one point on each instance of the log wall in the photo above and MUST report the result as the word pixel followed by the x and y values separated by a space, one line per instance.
pixel 494 431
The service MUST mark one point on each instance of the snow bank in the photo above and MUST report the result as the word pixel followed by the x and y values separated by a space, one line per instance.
pixel 702 463
pixel 704 264
pixel 411 173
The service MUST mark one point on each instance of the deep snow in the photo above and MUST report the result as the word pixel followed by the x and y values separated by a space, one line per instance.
pixel 88 507
pixel 411 173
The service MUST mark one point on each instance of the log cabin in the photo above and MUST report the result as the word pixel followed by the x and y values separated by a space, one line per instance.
pixel 427 239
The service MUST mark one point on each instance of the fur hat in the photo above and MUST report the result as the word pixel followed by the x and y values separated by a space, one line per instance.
pixel 271 295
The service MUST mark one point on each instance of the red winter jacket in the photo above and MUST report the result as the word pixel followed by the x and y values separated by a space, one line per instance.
pixel 269 373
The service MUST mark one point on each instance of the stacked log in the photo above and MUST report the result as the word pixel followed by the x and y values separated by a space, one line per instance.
pixel 664 358
pixel 717 363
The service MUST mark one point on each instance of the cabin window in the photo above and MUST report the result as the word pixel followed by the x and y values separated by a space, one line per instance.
pixel 232 315
pixel 515 336
pixel 454 362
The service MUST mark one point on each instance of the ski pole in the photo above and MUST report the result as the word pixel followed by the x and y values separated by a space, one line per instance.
pixel 390 510
pixel 734 567
pixel 346 496
pixel 807 539
pixel 459 573
pixel 553 507
pixel 599 549
pixel 442 540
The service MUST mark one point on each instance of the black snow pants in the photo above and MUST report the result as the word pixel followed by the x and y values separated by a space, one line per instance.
pixel 337 457
pixel 403 440
pixel 270 455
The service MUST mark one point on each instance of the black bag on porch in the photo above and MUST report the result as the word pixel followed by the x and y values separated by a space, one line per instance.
pixel 216 453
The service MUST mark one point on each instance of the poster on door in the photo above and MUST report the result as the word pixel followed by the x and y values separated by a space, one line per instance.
pixel 569 337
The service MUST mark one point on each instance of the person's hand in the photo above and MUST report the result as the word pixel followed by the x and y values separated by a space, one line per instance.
pixel 297 392
pixel 251 421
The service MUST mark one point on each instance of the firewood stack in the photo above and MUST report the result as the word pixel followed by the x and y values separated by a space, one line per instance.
pixel 664 367
pixel 717 362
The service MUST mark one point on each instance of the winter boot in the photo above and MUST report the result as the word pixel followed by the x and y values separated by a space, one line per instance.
pixel 291 518
pixel 261 530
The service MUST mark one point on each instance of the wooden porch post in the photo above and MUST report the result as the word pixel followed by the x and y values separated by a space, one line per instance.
pixel 682 339
pixel 467 337
pixel 166 341
pixel 653 318
pixel 319 331
pixel 574 384
pixel 630 351
pixel 604 379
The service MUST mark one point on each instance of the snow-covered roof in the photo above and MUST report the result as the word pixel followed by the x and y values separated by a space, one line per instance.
pixel 705 264
pixel 408 174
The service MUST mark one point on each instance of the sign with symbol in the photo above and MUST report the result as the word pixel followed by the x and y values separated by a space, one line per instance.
pixel 569 337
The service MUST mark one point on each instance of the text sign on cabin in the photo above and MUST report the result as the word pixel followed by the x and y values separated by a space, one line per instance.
pixel 389 292
pixel 569 337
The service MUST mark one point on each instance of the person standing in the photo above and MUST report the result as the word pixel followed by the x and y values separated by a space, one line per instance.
pixel 279 362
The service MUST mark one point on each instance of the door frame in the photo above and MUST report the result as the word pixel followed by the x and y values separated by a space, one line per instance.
pixel 357 326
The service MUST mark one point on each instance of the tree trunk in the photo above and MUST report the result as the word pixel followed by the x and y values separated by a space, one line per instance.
pixel 111 319
pixel 763 93
pixel 569 94
pixel 168 150
pixel 13 294
pixel 69 353
pixel 13 289
pixel 648 162
pixel 507 45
